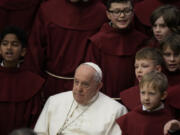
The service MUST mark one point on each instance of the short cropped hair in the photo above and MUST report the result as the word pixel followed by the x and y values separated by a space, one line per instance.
pixel 20 34
pixel 171 16
pixel 150 53
pixel 23 131
pixel 109 2
pixel 157 80
pixel 173 42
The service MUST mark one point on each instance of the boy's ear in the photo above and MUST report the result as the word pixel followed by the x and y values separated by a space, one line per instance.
pixel 108 15
pixel 23 52
pixel 164 95
pixel 159 68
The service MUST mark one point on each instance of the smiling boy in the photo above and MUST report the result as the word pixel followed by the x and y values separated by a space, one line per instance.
pixel 113 48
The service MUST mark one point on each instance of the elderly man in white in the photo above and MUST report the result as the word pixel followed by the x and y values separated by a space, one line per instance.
pixel 82 111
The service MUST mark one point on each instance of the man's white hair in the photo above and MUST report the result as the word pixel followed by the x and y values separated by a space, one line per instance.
pixel 98 74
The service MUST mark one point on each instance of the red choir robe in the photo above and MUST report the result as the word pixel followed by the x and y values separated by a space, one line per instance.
pixel 173 77
pixel 173 99
pixel 114 52
pixel 20 100
pixel 20 13
pixel 58 41
pixel 131 97
pixel 138 122
pixel 153 43
pixel 144 9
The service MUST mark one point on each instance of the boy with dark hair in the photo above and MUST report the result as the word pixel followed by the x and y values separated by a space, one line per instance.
pixel 113 48
pixel 20 100
pixel 150 117
pixel 144 9
pixel 164 20
pixel 146 60
pixel 170 48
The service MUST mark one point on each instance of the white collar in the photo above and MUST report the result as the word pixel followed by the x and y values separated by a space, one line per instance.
pixel 2 64
pixel 158 108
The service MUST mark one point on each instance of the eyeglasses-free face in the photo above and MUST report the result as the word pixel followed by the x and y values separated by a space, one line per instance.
pixel 120 14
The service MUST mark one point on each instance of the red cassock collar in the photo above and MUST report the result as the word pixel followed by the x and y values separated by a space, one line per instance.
pixel 18 85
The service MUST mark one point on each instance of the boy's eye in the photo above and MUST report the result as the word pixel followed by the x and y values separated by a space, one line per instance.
pixel 145 66
pixel 142 92
pixel 167 54
pixel 163 25
pixel 176 54
pixel 135 66
pixel 15 43
pixel 4 43
pixel 151 93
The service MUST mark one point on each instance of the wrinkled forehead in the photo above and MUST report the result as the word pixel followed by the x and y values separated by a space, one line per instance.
pixel 84 70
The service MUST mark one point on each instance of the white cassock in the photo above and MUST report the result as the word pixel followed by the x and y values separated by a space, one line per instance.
pixel 63 114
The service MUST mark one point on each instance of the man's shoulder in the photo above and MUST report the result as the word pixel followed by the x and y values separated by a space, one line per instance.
pixel 63 96
pixel 109 102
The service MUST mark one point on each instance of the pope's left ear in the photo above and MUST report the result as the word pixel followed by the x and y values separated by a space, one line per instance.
pixel 100 86
pixel 23 52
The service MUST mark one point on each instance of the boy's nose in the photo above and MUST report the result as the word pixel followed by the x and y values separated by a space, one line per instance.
pixel 172 58
pixel 157 29
pixel 146 97
pixel 139 70
pixel 9 45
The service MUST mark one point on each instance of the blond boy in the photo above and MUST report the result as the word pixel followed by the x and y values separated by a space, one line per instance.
pixel 146 60
pixel 150 117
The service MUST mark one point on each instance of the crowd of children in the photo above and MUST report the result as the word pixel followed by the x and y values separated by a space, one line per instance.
pixel 136 44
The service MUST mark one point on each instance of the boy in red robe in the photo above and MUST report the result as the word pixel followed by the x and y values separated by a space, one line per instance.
pixel 144 9
pixel 170 48
pixel 19 13
pixel 113 48
pixel 146 60
pixel 20 100
pixel 57 44
pixel 150 117
pixel 164 21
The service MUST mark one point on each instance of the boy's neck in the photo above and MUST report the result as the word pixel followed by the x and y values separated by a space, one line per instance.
pixel 10 64
pixel 161 106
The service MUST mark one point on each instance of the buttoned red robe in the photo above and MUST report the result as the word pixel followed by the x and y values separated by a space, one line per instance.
pixel 114 52
pixel 58 40
pixel 20 100
pixel 20 13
